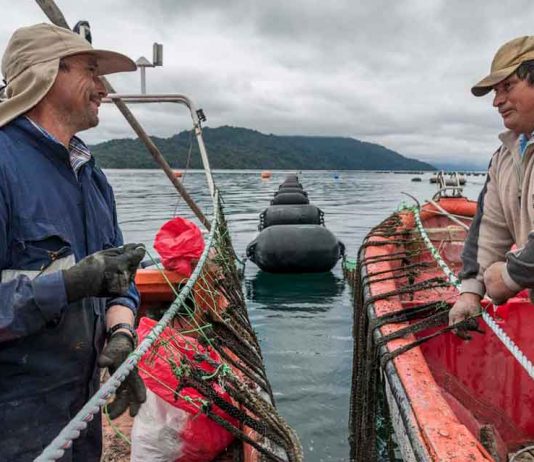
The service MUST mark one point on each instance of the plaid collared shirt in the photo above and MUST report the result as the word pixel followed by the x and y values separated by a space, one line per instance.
pixel 79 153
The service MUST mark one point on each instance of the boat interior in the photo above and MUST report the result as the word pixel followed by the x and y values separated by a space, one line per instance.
pixel 486 388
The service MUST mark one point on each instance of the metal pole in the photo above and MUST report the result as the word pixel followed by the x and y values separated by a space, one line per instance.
pixel 143 80
pixel 55 15
pixel 204 156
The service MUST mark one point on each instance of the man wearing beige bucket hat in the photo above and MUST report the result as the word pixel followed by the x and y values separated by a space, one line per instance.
pixel 66 278
pixel 505 212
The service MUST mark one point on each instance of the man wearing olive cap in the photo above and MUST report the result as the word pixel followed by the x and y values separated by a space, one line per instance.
pixel 65 279
pixel 505 212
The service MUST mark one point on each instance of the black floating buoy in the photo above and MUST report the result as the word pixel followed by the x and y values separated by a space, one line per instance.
pixel 295 249
pixel 291 214
pixel 290 198
pixel 290 184
pixel 290 190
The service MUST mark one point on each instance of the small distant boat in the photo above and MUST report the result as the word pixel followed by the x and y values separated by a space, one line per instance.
pixel 177 174
pixel 451 179
pixel 416 179
pixel 266 174
pixel 449 400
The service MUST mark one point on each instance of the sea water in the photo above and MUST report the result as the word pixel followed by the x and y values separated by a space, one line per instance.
pixel 304 322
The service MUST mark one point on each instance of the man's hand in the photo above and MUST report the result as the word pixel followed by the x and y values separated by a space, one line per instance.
pixel 466 307
pixel 103 274
pixel 132 393
pixel 496 288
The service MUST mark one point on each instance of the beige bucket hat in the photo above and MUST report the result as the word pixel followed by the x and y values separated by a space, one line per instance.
pixel 31 61
pixel 507 59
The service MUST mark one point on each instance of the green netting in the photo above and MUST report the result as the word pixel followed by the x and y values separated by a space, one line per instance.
pixel 368 410
pixel 349 264
pixel 215 314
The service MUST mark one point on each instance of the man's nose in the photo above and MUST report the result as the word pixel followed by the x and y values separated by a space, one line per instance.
pixel 498 99
pixel 100 87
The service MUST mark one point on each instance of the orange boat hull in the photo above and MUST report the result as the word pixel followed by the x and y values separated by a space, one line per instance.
pixel 447 395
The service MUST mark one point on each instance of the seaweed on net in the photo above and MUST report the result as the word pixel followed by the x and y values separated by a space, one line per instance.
pixel 370 353
pixel 241 371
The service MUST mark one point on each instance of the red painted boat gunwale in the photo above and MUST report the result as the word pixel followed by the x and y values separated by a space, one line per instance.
pixel 439 430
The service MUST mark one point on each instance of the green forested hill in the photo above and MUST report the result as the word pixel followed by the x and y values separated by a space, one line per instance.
pixel 241 148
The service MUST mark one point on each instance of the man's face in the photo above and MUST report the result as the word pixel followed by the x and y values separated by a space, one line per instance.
pixel 78 91
pixel 514 99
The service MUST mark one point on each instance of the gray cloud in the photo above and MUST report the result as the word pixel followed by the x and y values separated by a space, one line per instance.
pixel 394 73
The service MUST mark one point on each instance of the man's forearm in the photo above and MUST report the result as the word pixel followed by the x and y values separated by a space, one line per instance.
pixel 473 286
pixel 117 314
pixel 27 306
pixel 519 270
pixel 488 239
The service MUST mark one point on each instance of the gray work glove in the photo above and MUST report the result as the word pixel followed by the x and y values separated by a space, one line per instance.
pixel 103 274
pixel 132 392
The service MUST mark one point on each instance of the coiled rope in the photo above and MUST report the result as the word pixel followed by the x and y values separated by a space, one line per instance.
pixel 510 345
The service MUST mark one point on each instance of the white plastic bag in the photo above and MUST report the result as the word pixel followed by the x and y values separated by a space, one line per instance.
pixel 155 431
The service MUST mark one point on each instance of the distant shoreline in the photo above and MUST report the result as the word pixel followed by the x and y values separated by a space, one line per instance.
pixel 232 148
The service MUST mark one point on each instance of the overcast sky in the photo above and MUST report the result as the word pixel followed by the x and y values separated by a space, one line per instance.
pixel 397 73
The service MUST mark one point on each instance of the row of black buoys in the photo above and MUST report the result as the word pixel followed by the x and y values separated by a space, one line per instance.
pixel 292 236
pixel 290 192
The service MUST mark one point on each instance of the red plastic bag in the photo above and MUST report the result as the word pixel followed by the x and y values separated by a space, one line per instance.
pixel 179 242
pixel 202 439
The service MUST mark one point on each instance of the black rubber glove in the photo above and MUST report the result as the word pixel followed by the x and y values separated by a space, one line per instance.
pixel 103 274
pixel 132 392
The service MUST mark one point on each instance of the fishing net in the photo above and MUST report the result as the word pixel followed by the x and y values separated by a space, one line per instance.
pixel 216 361
pixel 404 283
pixel 205 342
pixel 413 276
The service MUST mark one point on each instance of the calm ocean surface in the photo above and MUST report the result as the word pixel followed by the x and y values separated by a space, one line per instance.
pixel 303 321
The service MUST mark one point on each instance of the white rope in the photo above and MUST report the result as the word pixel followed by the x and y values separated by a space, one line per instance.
pixel 71 431
pixel 450 215
pixel 529 449
pixel 497 330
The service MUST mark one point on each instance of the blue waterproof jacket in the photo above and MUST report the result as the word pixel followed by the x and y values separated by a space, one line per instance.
pixel 48 348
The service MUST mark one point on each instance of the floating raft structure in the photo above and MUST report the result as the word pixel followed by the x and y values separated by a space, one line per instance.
pixel 293 238
pixel 444 179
